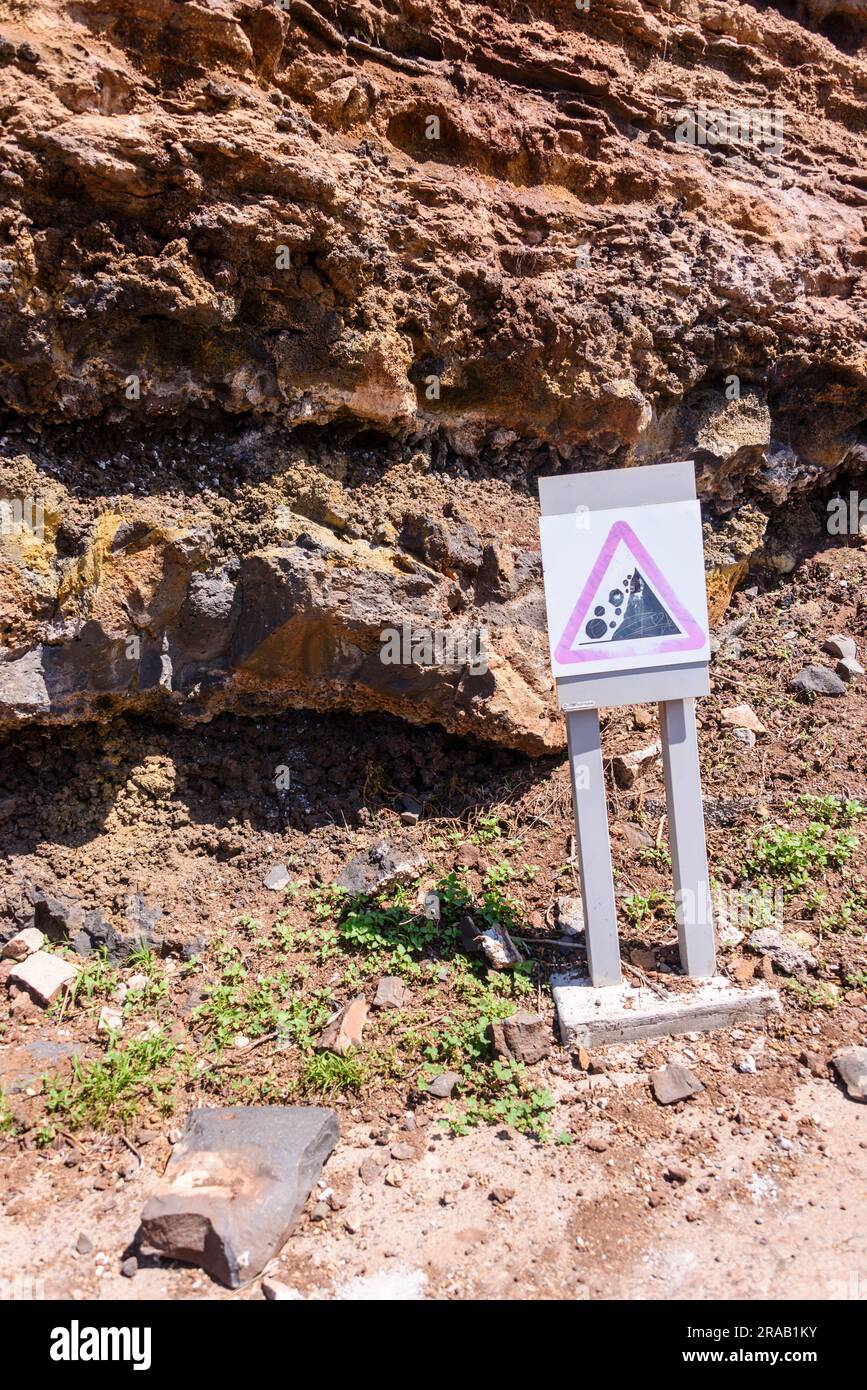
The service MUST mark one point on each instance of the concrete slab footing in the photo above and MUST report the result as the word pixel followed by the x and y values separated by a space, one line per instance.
pixel 592 1017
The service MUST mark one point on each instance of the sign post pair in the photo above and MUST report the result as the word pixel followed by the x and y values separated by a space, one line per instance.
pixel 627 621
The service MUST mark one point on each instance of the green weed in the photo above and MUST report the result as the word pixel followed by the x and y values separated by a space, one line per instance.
pixel 327 1075
pixel 831 810
pixel 642 911
pixel 110 1089
pixel 796 857
pixel 97 979
pixel 7 1121
pixel 504 1097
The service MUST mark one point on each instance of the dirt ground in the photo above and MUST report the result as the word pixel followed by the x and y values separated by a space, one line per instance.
pixel 562 1180
pixel 751 1221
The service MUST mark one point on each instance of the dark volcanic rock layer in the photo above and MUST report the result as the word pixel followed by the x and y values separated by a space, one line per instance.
pixel 297 299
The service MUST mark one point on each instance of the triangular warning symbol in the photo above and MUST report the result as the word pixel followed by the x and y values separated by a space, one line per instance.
pixel 625 601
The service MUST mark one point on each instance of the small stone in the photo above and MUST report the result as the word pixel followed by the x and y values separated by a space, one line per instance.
pixel 110 1020
pixel 501 1195
pixel 570 914
pixel 728 935
pixel 129 1268
pixel 380 867
pixel 430 906
pixel 851 1066
pixel 742 717
pixel 747 1065
pixel 743 970
pixel 636 836
pixel 597 1146
pixel 745 736
pixel 629 766
pixel 815 1064
pixel 523 1037
pixel 849 669
pixel 785 953
pixel 278 1292
pixel 442 1086
pixel 391 993
pixel 674 1083
pixel 277 878
pixel 498 947
pixel 23 945
pixel 84 1245
pixel 43 976
pixel 840 646
pixel 394 1176
pixel 817 680
pixel 468 857
pixel 371 1168
pixel 676 1173
pixel 343 1033
pixel 404 1153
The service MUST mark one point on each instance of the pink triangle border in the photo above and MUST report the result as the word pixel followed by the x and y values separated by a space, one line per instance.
pixel 693 637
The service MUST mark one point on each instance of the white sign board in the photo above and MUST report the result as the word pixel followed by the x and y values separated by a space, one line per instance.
pixel 625 588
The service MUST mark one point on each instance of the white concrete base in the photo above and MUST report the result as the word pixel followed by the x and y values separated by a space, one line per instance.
pixel 590 1017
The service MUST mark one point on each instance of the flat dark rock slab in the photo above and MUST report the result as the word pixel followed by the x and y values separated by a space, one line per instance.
pixel 235 1186
pixel 673 1083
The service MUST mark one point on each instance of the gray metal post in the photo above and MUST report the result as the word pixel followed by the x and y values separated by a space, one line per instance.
pixel 686 837
pixel 594 851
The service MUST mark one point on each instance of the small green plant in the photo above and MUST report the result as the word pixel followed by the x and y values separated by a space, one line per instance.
pixel 251 928
pixel 815 996
pixel 327 1075
pixel 108 1091
pixel 155 987
pixel 503 1097
pixel 851 915
pixel 97 979
pixel 7 1121
pixel 486 828
pixel 831 810
pixel 655 855
pixel 796 857
pixel 374 927
pixel 642 910
pixel 269 1004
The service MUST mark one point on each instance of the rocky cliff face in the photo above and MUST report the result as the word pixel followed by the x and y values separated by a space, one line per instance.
pixel 297 300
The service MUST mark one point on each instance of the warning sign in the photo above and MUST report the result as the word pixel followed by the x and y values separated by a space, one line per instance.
pixel 625 589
